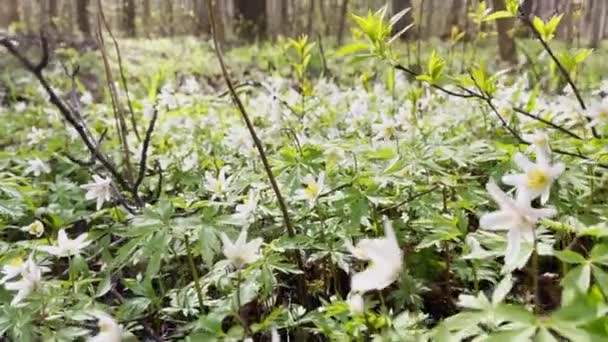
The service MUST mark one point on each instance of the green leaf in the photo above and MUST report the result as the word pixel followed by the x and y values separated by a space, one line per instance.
pixel 599 254
pixel 498 15
pixel 601 279
pixel 544 335
pixel 104 286
pixel 352 49
pixel 579 277
pixel 570 257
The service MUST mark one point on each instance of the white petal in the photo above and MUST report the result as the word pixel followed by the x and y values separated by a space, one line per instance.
pixel 373 278
pixel 242 239
pixel 544 213
pixel 498 220
pixel 557 169
pixel 62 237
pixel 513 246
pixel 499 196
pixel 515 180
pixel 545 196
pixel 523 162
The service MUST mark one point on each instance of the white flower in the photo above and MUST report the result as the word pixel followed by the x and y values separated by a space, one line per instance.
pixel 539 143
pixel 86 98
pixel 598 114
pixel 31 277
pixel 35 136
pixel 385 130
pixel 516 216
pixel 217 185
pixel 35 228
pixel 537 179
pixel 314 188
pixel 109 330
pixel 191 86
pixel 241 252
pixel 100 190
pixel 244 212
pixel 166 98
pixel 12 269
pixel 385 256
pixel 274 335
pixel 65 246
pixel 356 304
pixel 37 167
pixel 20 107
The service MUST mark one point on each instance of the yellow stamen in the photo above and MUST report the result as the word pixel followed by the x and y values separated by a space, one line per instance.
pixel 537 179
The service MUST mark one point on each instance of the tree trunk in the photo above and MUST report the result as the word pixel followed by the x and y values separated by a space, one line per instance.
pixel 9 12
pixel 128 17
pixel 53 13
pixel 273 13
pixel 429 18
pixel 82 17
pixel 311 15
pixel 599 23
pixel 406 20
pixel 252 16
pixel 454 15
pixel 506 42
pixel 285 26
pixel 202 17
pixel 146 16
pixel 342 26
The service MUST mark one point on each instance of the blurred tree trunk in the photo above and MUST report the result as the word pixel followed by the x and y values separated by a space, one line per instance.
pixel 252 14
pixel 454 14
pixel 128 17
pixel 285 26
pixel 311 15
pixel 406 20
pixel 202 17
pixel 170 19
pixel 9 12
pixel 53 13
pixel 147 13
pixel 430 10
pixel 82 17
pixel 273 12
pixel 598 24
pixel 342 26
pixel 506 42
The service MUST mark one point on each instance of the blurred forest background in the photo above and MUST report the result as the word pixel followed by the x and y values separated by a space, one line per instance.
pixel 584 22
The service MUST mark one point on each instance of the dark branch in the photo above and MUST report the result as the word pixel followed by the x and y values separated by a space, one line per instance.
pixel 525 18
pixel 144 151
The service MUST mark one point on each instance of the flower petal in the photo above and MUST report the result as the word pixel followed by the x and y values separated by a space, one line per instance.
pixel 513 246
pixel 498 220
pixel 523 162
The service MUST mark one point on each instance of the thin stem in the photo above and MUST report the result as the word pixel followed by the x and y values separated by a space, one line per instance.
pixel 260 147
pixel 197 285
pixel 535 270
pixel 239 279
pixel 524 17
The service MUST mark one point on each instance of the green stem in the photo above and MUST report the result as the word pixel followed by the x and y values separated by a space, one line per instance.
pixel 197 285
pixel 71 277
pixel 534 270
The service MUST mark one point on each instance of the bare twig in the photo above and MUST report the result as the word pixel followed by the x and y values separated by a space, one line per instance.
pixel 123 77
pixel 144 151
pixel 436 86
pixel 525 18
pixel 121 125
pixel 259 146
pixel 64 109
pixel 547 122
pixel 410 199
